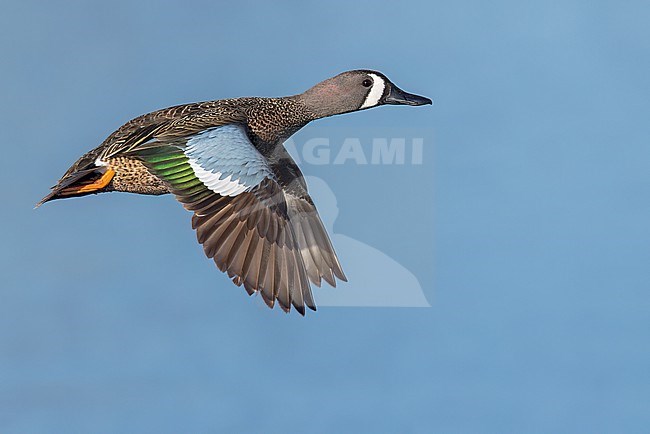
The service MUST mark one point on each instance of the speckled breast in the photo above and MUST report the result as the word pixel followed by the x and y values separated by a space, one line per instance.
pixel 132 176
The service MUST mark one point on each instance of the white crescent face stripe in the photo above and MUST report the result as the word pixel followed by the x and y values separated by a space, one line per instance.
pixel 376 91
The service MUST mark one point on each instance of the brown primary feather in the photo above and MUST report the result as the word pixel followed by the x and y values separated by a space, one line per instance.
pixel 254 243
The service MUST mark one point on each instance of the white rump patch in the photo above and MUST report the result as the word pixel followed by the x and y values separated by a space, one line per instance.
pixel 376 91
pixel 225 187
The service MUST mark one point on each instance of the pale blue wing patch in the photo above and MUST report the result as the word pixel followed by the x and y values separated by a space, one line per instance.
pixel 225 160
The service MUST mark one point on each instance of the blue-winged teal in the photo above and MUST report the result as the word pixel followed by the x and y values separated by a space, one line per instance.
pixel 224 161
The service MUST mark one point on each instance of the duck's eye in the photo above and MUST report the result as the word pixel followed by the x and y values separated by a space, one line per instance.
pixel 367 82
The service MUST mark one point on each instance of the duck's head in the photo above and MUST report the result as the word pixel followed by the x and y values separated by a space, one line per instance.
pixel 356 90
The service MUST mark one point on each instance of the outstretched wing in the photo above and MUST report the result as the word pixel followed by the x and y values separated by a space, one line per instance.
pixel 318 254
pixel 242 214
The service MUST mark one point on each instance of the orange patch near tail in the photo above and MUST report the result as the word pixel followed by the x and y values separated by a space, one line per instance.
pixel 93 186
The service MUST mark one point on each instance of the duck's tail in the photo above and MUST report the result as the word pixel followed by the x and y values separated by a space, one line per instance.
pixel 81 180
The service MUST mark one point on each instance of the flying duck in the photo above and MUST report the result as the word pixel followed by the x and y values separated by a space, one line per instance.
pixel 225 161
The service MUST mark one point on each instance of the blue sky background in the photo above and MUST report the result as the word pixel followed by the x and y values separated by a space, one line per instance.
pixel 527 225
